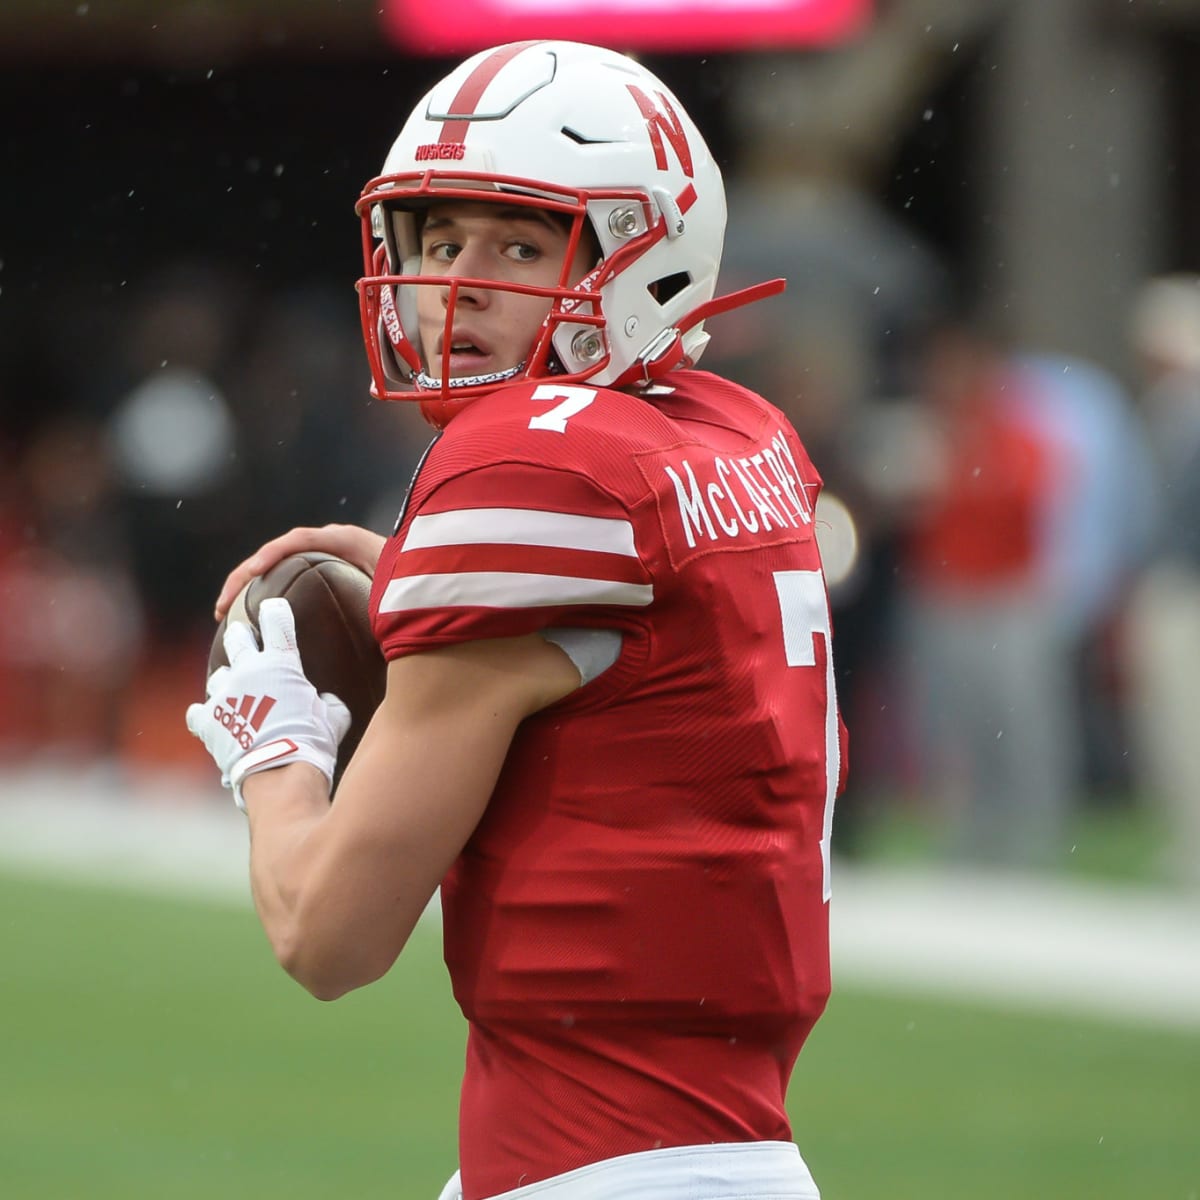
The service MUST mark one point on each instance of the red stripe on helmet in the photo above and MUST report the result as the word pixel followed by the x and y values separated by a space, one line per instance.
pixel 469 95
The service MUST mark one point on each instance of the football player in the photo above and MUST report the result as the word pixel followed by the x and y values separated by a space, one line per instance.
pixel 610 734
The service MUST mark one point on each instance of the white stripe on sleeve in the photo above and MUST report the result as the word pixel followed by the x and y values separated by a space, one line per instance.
pixel 521 527
pixel 508 589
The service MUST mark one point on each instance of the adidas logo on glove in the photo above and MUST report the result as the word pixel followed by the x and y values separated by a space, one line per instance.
pixel 237 717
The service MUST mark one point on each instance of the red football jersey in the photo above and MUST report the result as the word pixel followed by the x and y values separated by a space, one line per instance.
pixel 637 931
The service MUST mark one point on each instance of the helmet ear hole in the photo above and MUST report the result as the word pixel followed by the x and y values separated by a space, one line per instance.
pixel 665 290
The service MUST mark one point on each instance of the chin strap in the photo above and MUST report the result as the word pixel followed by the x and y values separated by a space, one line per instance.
pixel 430 383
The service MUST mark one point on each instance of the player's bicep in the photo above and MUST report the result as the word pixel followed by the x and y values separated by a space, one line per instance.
pixel 422 776
pixel 430 759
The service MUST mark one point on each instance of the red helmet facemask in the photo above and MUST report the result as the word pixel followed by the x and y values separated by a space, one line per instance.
pixel 402 369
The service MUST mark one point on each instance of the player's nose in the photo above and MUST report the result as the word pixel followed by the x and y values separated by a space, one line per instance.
pixel 471 261
pixel 463 291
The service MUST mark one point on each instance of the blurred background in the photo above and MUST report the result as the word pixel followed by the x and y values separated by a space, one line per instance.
pixel 989 217
pixel 988 213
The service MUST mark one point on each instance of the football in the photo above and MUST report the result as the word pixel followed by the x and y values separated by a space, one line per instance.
pixel 333 632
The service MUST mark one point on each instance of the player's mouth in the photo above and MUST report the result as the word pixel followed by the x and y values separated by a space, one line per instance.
pixel 467 356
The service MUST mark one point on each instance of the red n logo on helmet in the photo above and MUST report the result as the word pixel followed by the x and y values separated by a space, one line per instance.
pixel 660 122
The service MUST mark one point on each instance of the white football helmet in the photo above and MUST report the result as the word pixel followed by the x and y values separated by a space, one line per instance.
pixel 578 130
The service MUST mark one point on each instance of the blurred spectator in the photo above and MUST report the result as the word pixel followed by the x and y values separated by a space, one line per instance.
pixel 1098 525
pixel 72 620
pixel 984 652
pixel 1164 615
pixel 160 388
pixel 231 415
pixel 174 439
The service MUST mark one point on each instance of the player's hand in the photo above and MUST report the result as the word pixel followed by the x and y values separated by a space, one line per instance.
pixel 261 711
pixel 359 546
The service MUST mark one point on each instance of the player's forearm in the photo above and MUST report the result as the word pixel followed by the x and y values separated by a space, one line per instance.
pixel 332 895
pixel 288 809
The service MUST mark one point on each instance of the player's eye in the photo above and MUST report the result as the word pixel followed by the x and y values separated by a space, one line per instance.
pixel 523 251
pixel 442 252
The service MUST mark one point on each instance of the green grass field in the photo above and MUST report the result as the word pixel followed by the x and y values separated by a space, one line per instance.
pixel 151 1048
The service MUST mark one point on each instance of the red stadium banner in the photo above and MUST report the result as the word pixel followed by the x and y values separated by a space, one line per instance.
pixel 685 26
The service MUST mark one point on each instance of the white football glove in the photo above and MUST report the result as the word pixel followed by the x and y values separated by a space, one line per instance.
pixel 261 711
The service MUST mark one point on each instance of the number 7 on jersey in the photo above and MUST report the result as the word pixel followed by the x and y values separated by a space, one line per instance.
pixel 804 610
pixel 573 400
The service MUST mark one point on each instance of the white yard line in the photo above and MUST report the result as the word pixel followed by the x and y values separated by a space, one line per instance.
pixel 1081 948
pixel 160 833
pixel 1118 952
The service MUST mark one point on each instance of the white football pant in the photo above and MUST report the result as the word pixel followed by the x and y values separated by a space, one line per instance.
pixel 726 1171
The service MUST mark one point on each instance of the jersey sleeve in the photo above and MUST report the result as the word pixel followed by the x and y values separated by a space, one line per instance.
pixel 507 549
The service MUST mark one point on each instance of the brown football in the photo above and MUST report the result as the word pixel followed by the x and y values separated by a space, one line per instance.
pixel 333 632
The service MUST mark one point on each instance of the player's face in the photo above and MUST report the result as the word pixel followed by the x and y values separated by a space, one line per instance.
pixel 492 330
